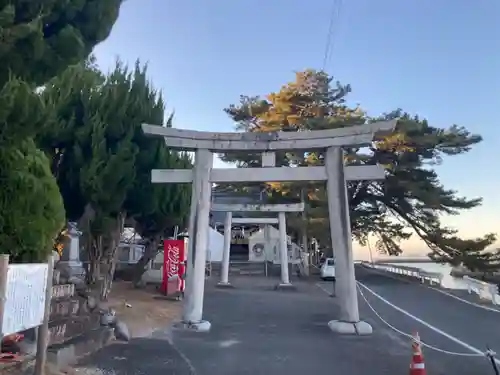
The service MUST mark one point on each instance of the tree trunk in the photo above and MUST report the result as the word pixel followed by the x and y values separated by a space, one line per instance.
pixel 92 246
pixel 150 252
pixel 107 281
pixel 93 271
pixel 95 255
pixel 112 257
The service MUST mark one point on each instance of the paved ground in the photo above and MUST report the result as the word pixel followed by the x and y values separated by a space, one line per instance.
pixel 256 330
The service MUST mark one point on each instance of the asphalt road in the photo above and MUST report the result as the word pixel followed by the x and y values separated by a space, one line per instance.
pixel 470 325
pixel 257 330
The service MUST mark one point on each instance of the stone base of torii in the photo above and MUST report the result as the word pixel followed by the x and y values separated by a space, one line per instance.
pixel 203 176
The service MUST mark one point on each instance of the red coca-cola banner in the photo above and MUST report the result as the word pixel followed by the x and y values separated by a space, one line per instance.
pixel 173 266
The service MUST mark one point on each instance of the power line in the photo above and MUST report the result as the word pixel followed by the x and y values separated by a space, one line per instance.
pixel 332 27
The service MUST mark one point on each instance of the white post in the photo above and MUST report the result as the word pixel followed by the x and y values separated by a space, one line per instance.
pixel 283 247
pixel 224 276
pixel 198 241
pixel 340 231
pixel 42 339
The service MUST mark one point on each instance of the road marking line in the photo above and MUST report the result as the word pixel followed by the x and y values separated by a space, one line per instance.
pixel 386 274
pixel 428 325
pixel 323 289
pixel 487 308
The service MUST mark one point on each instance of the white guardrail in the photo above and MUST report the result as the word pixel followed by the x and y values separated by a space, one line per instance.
pixel 483 289
pixel 418 273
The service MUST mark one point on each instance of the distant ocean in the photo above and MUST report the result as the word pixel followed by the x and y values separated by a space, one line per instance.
pixel 448 281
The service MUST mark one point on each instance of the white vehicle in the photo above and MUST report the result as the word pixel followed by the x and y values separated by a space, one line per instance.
pixel 328 269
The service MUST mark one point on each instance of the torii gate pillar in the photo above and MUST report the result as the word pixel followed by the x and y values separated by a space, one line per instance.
pixel 285 277
pixel 199 225
pixel 340 232
pixel 224 274
pixel 281 221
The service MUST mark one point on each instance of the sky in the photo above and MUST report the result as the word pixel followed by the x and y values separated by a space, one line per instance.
pixel 438 59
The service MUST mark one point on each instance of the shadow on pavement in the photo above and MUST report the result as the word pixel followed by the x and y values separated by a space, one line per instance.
pixel 145 356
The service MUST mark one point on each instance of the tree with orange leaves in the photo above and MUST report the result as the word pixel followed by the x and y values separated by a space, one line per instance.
pixel 61 240
pixel 410 200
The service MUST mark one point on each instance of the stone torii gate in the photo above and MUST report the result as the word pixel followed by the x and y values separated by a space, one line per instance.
pixel 203 175
pixel 281 209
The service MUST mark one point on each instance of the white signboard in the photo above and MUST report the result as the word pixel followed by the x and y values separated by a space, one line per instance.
pixel 25 298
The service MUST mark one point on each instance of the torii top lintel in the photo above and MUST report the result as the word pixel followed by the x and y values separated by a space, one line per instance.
pixel 360 135
pixel 257 207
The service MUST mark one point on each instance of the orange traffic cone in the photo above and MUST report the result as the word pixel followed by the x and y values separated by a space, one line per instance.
pixel 417 365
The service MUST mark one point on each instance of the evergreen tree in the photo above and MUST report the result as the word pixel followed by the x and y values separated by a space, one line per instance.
pixel 410 200
pixel 92 152
pixel 38 39
pixel 103 160
pixel 157 208
pixel 31 211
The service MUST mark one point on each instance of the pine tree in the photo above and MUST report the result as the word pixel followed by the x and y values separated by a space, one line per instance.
pixel 410 200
